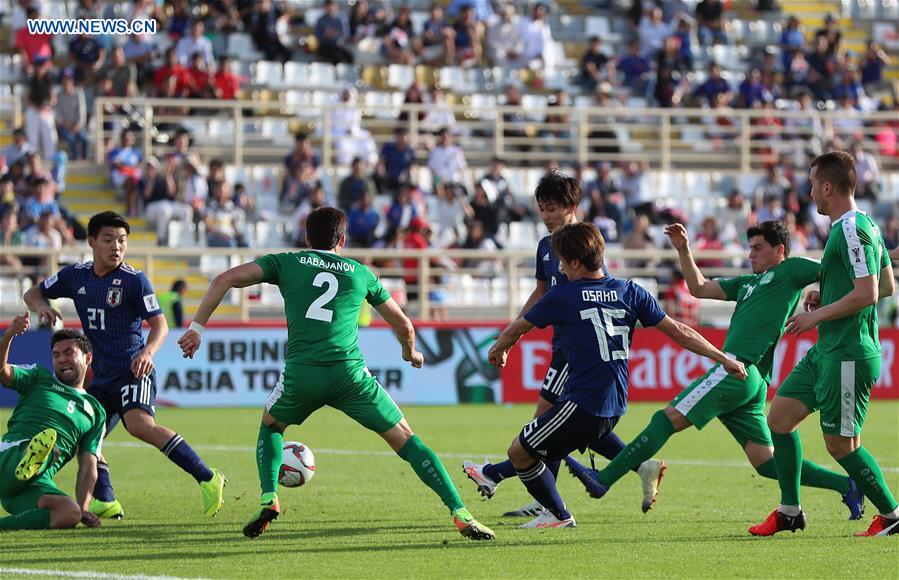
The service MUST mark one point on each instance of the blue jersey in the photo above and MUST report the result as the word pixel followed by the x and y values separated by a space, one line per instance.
pixel 111 309
pixel 595 320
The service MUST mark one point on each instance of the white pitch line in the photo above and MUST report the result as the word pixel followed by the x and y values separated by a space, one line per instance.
pixel 373 453
pixel 81 574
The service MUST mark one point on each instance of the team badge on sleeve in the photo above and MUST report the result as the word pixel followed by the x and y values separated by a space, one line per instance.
pixel 114 297
pixel 51 280
pixel 151 303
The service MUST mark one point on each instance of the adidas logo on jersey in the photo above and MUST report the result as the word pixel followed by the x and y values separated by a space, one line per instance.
pixel 546 257
pixel 82 291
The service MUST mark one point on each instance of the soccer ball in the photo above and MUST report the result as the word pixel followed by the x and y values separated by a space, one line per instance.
pixel 297 465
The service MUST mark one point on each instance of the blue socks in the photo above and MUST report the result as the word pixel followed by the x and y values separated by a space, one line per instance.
pixel 504 470
pixel 103 487
pixel 541 484
pixel 186 458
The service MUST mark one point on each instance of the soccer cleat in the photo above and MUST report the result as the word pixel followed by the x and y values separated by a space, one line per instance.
pixel 881 526
pixel 587 477
pixel 107 510
pixel 475 472
pixel 470 527
pixel 526 511
pixel 545 519
pixel 269 509
pixel 855 501
pixel 777 521
pixel 651 472
pixel 213 493
pixel 37 452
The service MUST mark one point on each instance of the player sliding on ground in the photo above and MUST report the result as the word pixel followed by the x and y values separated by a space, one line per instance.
pixel 112 300
pixel 595 315
pixel 764 300
pixel 558 197
pixel 837 374
pixel 323 292
pixel 54 419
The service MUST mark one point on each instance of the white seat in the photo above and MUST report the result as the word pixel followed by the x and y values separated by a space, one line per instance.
pixel 269 235
pixel 522 235
pixel 400 76
pixel 241 47
pixel 482 106
pixel 296 74
pixel 10 294
pixel 271 296
pixel 597 26
pixel 182 234
pixel 213 265
pixel 268 73
pixel 322 75
pixel 396 287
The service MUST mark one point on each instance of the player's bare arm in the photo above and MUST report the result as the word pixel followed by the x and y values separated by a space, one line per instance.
pixel 17 327
pixel 142 364
pixel 894 254
pixel 535 296
pixel 863 294
pixel 696 282
pixel 84 487
pixel 886 282
pixel 695 342
pixel 37 303
pixel 238 277
pixel 402 327
pixel 507 339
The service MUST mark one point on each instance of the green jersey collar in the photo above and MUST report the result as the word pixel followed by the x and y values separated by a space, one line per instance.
pixel 839 219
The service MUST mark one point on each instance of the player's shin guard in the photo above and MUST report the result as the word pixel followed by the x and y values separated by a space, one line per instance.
pixel 186 458
pixel 269 451
pixel 640 449
pixel 541 484
pixel 788 459
pixel 103 488
pixel 33 519
pixel 864 470
pixel 430 470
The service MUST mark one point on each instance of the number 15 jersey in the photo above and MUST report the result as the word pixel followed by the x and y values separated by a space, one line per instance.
pixel 323 293
pixel 596 320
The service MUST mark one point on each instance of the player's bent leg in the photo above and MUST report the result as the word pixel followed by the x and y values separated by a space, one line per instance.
pixel 39 452
pixel 541 484
pixel 864 470
pixel 64 512
pixel 269 450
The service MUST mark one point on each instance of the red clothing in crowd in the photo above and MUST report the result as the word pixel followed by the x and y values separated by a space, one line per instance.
pixel 681 305
pixel 199 82
pixel 162 75
pixel 227 84
pixel 34 45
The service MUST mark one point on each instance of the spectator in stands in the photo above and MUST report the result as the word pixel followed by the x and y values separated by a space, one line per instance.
pixel 43 207
pixel 31 46
pixel 43 234
pixel 414 96
pixel 850 86
pixel 71 116
pixel 752 91
pixel 600 210
pixel 158 194
pixel 538 40
pixel 559 123
pixel 633 69
pixel 199 81
pixel 438 113
pixel 678 301
pixel 297 186
pixel 438 39
pixel 402 210
pixel 180 20
pixel 798 238
pixel 709 238
pixel 395 163
pixel 397 44
pixel 124 167
pixel 791 40
pixel 365 22
pixel 796 73
pixel 263 27
pixel 11 236
pixel 225 83
pixel 247 202
pixel 668 91
pixel 223 16
pixel 302 151
pixel 477 239
pixel 224 220
pixel 88 56
pixel 193 43
pixel 596 66
pixel 712 27
pixel 171 79
pixel 515 122
pixel 887 134
pixel 18 150
pixel 140 52
pixel 505 44
pixel 822 69
pixel 684 34
pixel 484 211
pixel 735 218
pixel 771 208
pixel 354 185
pixel 40 123
pixel 332 31
pixel 315 200
pixel 172 304
pixel 671 58
pixel 874 61
pixel 346 124
pixel 639 238
pixel 831 33
pixel 868 171
pixel 633 186
pixel 847 124
pixel 191 186
pixel 713 88
pixel 447 161
pixel 449 213
pixel 362 221
pixel 122 74
pixel 652 32
pixel 469 37
pixel 775 184
pixel 891 232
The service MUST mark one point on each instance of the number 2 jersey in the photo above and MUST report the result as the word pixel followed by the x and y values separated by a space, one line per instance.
pixel 595 320
pixel 322 293
pixel 111 309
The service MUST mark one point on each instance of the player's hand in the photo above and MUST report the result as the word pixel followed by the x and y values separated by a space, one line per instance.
pixel 189 343
pixel 90 520
pixel 142 365
pixel 416 358
pixel 802 322
pixel 19 325
pixel 735 368
pixel 812 301
pixel 497 358
pixel 677 233
pixel 48 315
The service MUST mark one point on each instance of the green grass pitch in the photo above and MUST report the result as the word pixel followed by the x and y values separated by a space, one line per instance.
pixel 366 514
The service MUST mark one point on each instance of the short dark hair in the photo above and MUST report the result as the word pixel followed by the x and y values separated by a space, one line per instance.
pixel 68 334
pixel 837 167
pixel 774 232
pixel 324 228
pixel 580 241
pixel 179 285
pixel 106 219
pixel 557 187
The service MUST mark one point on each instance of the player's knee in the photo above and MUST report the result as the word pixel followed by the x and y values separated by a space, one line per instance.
pixel 65 515
pixel 839 447
pixel 140 429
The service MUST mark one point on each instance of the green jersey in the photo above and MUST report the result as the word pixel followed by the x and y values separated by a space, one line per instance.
pixel 45 402
pixel 854 249
pixel 323 293
pixel 764 302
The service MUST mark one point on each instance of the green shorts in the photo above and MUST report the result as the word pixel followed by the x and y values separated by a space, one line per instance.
pixel 840 389
pixel 348 387
pixel 740 405
pixel 19 496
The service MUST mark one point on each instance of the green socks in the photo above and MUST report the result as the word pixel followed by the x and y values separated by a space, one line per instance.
pixel 812 475
pixel 788 458
pixel 863 468
pixel 640 449
pixel 269 450
pixel 430 470
pixel 33 519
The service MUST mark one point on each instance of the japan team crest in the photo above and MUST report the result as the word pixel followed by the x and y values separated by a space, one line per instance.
pixel 114 297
